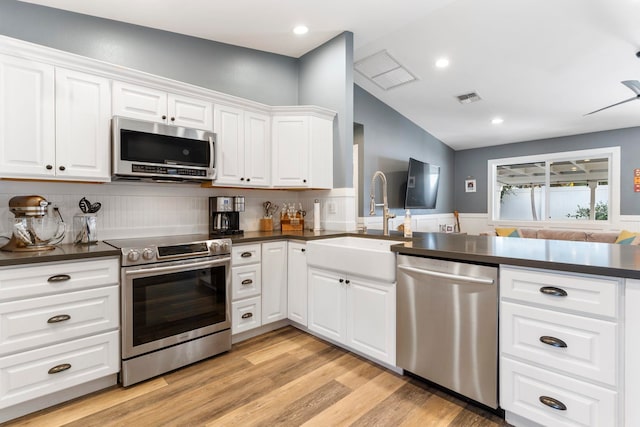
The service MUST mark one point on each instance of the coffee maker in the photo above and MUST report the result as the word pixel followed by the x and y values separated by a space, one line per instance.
pixel 224 215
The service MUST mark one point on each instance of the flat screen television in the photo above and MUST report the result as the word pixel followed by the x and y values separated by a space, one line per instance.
pixel 422 185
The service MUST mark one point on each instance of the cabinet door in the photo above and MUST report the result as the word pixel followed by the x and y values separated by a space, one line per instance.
pixel 257 149
pixel 246 281
pixel 35 322
pixel 321 153
pixel 245 315
pixel 632 353
pixel 229 129
pixel 83 113
pixel 371 314
pixel 189 112
pixel 27 118
pixel 139 102
pixel 297 283
pixel 327 304
pixel 290 151
pixel 35 373
pixel 274 281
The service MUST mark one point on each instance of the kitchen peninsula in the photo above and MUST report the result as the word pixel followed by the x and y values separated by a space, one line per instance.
pixel 602 282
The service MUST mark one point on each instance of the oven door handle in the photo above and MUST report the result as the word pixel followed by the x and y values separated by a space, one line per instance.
pixel 176 268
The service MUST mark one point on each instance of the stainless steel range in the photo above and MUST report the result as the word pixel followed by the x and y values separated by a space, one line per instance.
pixel 175 303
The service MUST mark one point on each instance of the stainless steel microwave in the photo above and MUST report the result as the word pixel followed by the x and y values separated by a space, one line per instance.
pixel 163 153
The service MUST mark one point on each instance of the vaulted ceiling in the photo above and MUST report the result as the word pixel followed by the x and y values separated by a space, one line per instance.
pixel 539 66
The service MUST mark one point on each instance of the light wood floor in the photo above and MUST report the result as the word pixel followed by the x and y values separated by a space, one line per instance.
pixel 286 378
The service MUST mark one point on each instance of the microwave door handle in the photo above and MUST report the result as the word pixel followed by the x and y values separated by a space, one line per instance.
pixel 212 150
pixel 177 268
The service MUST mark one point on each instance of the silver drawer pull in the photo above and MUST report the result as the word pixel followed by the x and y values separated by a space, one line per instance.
pixel 247 315
pixel 59 278
pixel 60 368
pixel 59 318
pixel 553 341
pixel 245 254
pixel 553 291
pixel 247 281
pixel 553 403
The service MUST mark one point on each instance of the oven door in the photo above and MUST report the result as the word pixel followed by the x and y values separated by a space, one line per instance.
pixel 169 303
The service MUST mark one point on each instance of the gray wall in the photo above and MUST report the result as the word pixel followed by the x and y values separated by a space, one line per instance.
pixel 247 73
pixel 326 79
pixel 474 163
pixel 389 140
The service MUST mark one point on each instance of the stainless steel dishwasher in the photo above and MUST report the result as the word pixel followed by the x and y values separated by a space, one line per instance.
pixel 447 325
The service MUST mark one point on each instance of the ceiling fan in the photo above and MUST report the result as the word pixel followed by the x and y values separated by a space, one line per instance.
pixel 634 85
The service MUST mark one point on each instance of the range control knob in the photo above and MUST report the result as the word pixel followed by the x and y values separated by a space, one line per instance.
pixel 133 255
pixel 148 254
pixel 214 247
pixel 225 247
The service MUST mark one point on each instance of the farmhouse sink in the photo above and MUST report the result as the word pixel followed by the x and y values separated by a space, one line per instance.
pixel 355 255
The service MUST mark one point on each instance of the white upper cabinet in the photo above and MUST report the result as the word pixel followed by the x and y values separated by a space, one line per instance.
pixel 302 150
pixel 54 122
pixel 27 118
pixel 243 149
pixel 144 103
pixel 83 117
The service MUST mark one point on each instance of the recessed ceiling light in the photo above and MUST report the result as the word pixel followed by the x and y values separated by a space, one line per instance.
pixel 442 63
pixel 497 121
pixel 300 30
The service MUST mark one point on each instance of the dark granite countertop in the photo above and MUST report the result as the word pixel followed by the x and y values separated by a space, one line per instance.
pixel 260 236
pixel 578 257
pixel 64 252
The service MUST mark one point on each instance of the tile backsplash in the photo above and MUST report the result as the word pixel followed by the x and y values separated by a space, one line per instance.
pixel 146 209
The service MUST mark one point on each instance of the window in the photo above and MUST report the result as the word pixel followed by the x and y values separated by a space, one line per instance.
pixel 557 187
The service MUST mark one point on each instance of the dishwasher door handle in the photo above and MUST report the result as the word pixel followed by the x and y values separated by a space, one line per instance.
pixel 450 276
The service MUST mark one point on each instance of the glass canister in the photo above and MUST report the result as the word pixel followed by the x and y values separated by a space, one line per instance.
pixel 85 229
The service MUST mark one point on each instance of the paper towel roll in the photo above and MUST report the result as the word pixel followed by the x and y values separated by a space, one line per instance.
pixel 316 215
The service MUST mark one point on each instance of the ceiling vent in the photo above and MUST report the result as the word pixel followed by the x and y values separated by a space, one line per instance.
pixel 384 71
pixel 468 98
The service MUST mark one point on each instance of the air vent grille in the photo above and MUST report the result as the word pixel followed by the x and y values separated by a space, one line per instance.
pixel 383 70
pixel 468 98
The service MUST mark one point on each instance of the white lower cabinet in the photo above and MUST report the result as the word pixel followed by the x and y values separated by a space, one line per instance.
pixel 59 328
pixel 246 314
pixel 274 281
pixel 354 311
pixel 632 353
pixel 258 285
pixel 36 373
pixel 297 282
pixel 552 399
pixel 560 362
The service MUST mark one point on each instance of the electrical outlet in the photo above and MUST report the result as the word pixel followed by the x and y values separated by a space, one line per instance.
pixel 331 207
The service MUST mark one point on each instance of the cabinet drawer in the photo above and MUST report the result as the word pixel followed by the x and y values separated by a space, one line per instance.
pixel 585 294
pixel 35 322
pixel 32 374
pixel 591 344
pixel 246 281
pixel 522 386
pixel 245 315
pixel 42 279
pixel 245 254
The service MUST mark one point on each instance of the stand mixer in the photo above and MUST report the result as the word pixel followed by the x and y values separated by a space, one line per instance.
pixel 32 228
